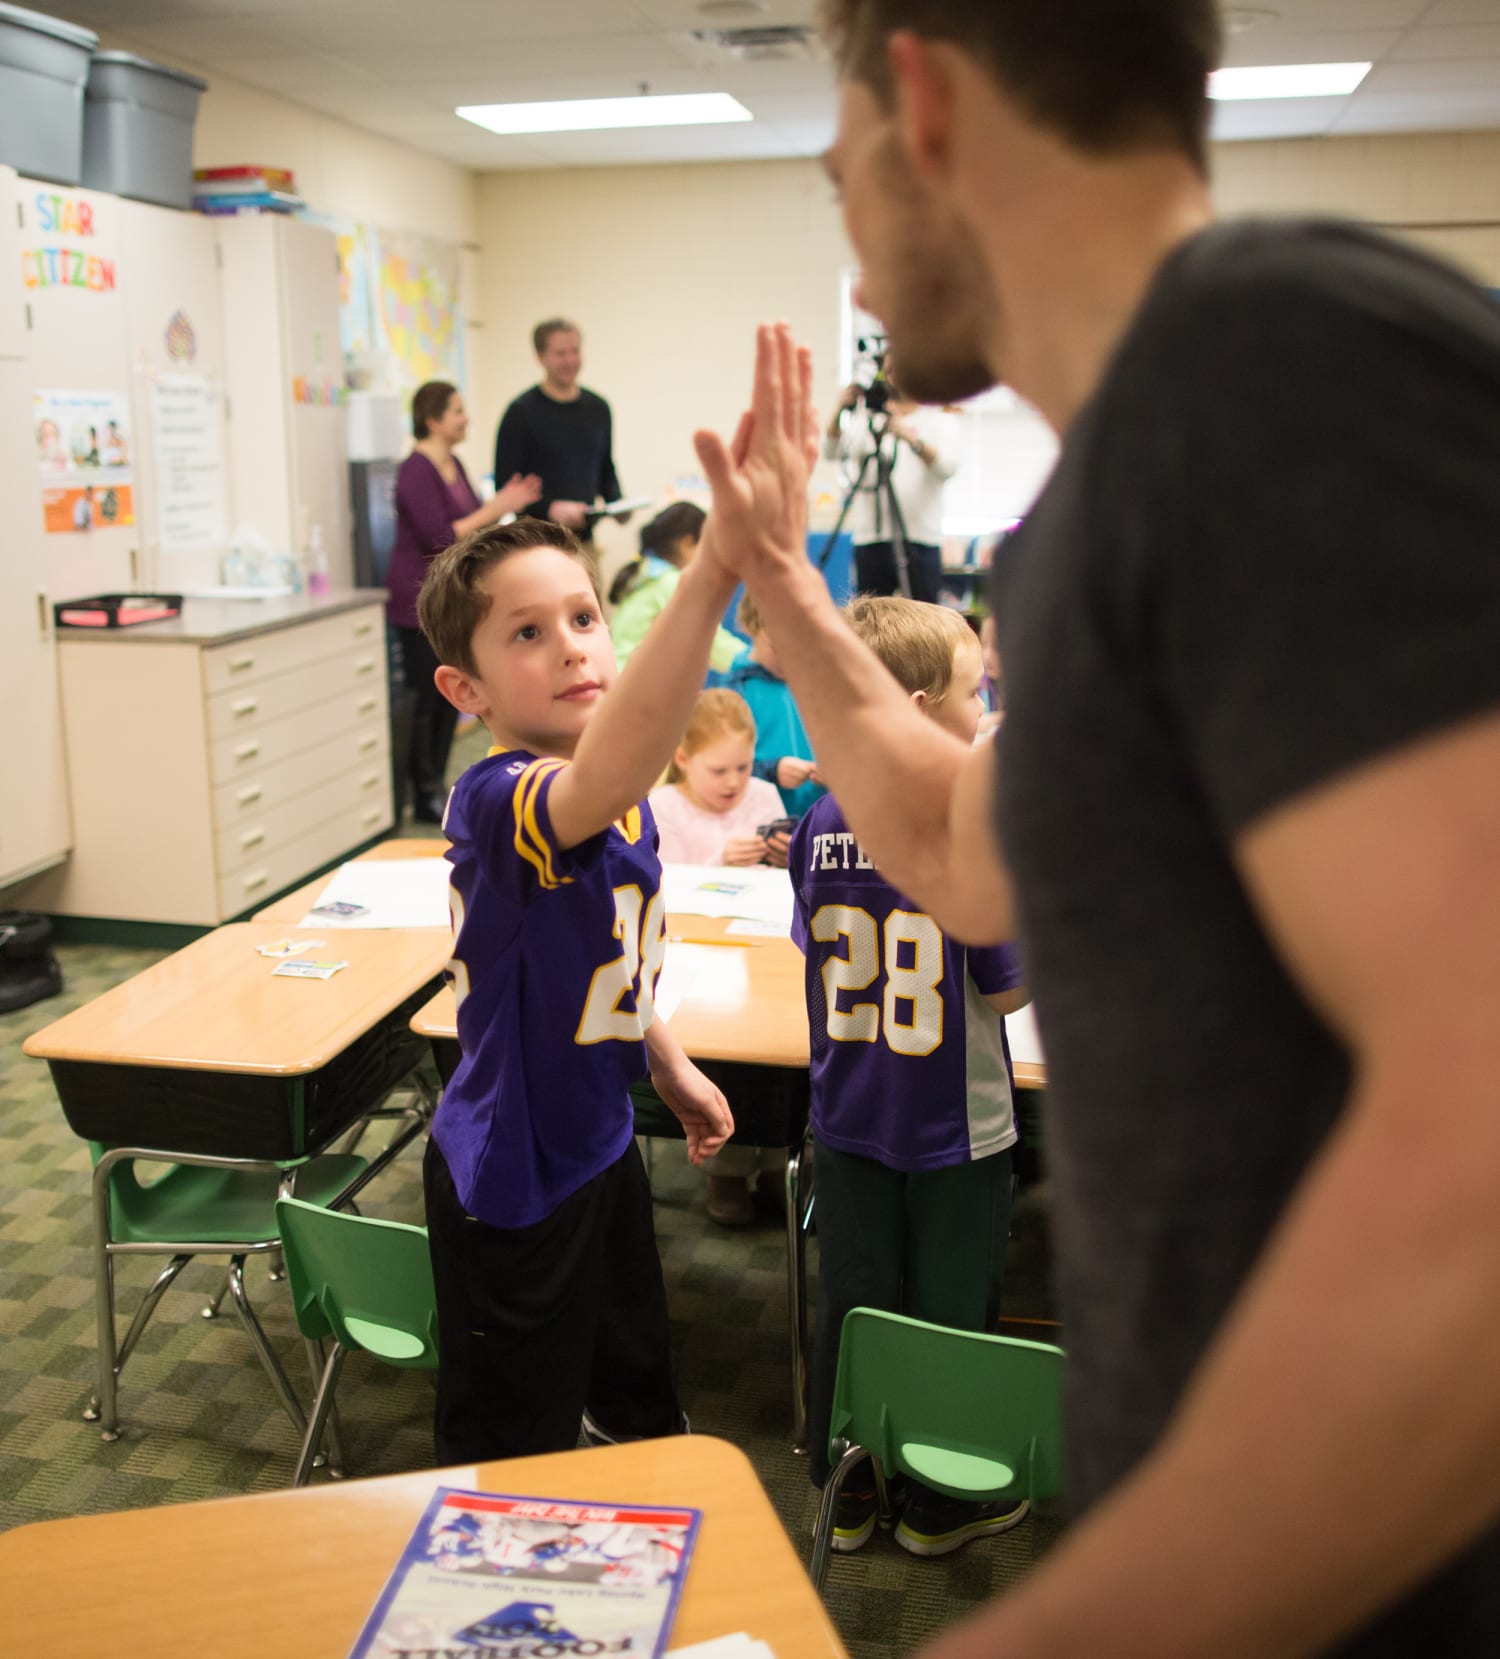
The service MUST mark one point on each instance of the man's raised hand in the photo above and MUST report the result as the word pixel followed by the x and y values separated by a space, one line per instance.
pixel 759 481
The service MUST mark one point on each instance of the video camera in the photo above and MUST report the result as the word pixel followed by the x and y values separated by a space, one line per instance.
pixel 869 373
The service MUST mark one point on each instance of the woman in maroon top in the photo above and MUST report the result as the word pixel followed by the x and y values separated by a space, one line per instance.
pixel 435 507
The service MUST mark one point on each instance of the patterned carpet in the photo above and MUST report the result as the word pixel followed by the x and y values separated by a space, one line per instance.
pixel 200 1420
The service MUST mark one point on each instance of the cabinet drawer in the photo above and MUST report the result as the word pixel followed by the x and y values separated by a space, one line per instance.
pixel 298 691
pixel 284 866
pixel 246 801
pixel 227 667
pixel 237 845
pixel 247 754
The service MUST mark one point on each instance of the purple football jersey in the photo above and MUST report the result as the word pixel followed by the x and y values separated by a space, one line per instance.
pixel 555 959
pixel 909 1063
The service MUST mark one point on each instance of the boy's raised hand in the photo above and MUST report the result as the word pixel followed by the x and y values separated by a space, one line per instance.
pixel 759 481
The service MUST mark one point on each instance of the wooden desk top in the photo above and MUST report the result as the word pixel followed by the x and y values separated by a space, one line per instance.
pixel 295 1574
pixel 743 1000
pixel 291 907
pixel 216 1006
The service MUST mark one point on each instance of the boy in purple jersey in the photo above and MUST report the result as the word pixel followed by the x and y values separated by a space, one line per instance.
pixel 551 1308
pixel 911 1085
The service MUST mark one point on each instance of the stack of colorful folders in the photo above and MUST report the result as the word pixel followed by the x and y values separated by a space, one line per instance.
pixel 245 190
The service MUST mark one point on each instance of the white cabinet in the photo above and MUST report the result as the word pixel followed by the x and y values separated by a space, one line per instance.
pixel 73 271
pixel 214 763
pixel 34 826
pixel 283 372
pixel 175 333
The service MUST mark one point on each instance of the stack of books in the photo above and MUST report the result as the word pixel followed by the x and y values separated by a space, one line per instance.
pixel 222 190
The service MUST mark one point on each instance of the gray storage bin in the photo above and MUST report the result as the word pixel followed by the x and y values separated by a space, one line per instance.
pixel 138 129
pixel 43 66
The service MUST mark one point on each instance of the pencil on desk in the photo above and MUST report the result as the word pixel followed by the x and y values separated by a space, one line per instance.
pixel 738 944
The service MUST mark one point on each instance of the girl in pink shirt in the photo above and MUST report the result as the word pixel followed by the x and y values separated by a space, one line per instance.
pixel 710 807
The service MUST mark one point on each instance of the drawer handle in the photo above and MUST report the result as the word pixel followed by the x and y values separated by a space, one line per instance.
pixel 369 780
pixel 373 816
pixel 367 705
pixel 252 883
pixel 367 744
pixel 239 665
pixel 362 629
pixel 247 751
pixel 246 705
pixel 365 665
pixel 252 839
pixel 248 797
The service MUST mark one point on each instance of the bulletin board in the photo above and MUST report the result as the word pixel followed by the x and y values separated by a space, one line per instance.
pixel 400 307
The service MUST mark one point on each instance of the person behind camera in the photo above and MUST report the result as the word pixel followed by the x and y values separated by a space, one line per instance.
pixel 920 447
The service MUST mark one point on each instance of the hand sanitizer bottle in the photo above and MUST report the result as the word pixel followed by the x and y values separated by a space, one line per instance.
pixel 317 564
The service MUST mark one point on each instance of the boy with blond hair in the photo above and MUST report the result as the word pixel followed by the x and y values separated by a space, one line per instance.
pixel 912 1113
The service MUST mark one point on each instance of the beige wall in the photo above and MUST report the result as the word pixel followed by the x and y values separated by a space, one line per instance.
pixel 668 270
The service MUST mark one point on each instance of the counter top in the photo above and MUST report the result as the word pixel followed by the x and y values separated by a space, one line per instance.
pixel 220 621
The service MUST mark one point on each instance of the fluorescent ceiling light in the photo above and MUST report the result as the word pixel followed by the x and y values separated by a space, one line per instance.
pixel 1288 80
pixel 693 109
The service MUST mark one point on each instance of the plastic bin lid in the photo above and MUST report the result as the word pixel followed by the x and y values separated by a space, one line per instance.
pixel 129 60
pixel 19 18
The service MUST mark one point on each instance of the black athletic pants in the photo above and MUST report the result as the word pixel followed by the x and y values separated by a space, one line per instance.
pixel 433 719
pixel 535 1323
pixel 875 570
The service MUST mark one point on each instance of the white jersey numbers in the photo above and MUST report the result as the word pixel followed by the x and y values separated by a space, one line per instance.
pixel 641 930
pixel 911 1004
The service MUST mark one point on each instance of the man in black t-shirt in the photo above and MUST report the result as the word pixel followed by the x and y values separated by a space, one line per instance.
pixel 564 433
pixel 1243 812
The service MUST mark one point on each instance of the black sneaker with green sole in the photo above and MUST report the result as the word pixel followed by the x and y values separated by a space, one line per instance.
pixel 938 1526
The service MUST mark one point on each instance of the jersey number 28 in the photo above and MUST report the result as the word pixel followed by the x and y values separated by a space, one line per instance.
pixel 910 1006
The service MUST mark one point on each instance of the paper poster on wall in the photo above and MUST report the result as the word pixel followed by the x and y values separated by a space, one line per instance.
pixel 189 463
pixel 85 460
pixel 400 308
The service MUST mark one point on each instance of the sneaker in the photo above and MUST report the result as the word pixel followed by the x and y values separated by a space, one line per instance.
pixel 853 1521
pixel 729 1201
pixel 938 1526
pixel 594 1434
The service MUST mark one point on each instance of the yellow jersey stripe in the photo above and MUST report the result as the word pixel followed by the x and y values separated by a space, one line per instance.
pixel 530 842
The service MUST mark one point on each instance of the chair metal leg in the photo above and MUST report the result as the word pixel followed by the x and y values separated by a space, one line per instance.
pixel 211 1308
pixel 147 1308
pixel 827 1509
pixel 103 1407
pixel 276 1267
pixel 321 1409
pixel 262 1347
pixel 796 1293
pixel 333 1458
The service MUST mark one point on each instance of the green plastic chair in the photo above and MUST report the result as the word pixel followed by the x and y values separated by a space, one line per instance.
pixel 363 1283
pixel 970 1415
pixel 199 1206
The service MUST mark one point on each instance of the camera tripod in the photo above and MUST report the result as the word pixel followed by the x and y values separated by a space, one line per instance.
pixel 883 457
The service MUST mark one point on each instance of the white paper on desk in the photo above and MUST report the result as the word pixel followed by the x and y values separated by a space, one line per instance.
pixel 714 975
pixel 396 892
pixel 1025 1042
pixel 738 1646
pixel 758 930
pixel 758 894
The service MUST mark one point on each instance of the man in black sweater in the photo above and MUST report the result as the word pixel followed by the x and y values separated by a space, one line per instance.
pixel 562 431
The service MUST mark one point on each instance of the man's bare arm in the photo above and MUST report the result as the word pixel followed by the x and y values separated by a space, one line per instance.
pixel 919 800
pixel 1353 1385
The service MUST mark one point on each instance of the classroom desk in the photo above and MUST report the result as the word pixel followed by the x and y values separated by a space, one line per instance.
pixel 207 1052
pixel 295 1574
pixel 291 907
